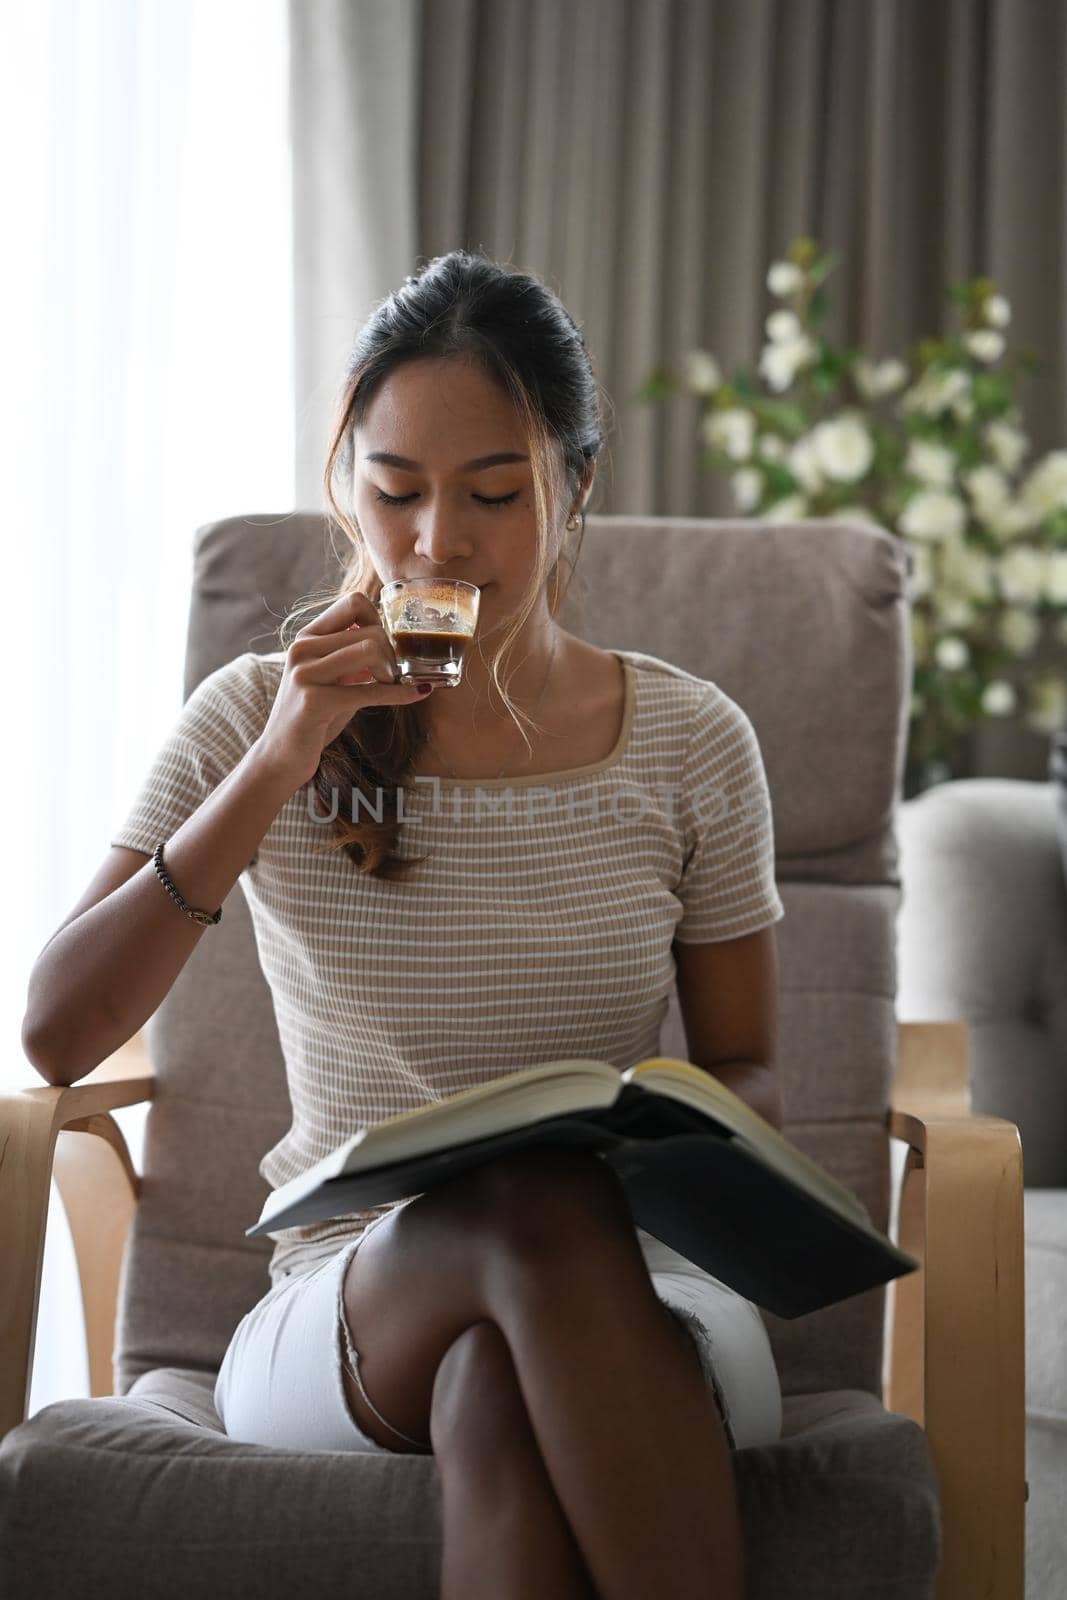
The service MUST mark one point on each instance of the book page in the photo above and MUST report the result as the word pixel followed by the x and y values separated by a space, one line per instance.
pixel 510 1101
pixel 692 1086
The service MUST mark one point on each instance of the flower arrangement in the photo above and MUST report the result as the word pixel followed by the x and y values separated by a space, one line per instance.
pixel 932 449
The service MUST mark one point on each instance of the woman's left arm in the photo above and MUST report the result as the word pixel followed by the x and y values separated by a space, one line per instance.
pixel 728 993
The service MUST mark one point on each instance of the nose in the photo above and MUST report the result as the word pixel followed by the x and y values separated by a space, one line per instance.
pixel 441 537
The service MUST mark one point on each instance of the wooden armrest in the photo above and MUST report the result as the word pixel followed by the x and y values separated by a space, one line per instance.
pixel 99 1189
pixel 957 1349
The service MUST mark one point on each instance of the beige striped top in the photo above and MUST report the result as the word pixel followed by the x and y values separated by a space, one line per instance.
pixel 539 928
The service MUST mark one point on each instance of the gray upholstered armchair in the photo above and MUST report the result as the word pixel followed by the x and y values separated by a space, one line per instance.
pixel 982 937
pixel 905 1490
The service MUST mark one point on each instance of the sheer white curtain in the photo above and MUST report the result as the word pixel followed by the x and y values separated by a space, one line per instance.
pixel 148 389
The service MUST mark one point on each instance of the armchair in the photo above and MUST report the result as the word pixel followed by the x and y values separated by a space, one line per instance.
pixel 982 939
pixel 909 1488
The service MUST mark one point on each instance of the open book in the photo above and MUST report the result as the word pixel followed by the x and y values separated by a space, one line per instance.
pixel 702 1172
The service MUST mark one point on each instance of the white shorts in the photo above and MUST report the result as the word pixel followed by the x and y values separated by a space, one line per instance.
pixel 280 1383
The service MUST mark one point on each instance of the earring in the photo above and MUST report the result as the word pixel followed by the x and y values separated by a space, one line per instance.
pixel 573 522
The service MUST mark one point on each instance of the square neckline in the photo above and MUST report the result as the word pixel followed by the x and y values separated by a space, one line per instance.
pixel 616 755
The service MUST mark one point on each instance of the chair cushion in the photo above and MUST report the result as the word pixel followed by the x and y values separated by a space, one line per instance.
pixel 143 1497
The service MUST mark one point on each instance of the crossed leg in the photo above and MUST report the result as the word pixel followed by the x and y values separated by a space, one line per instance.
pixel 505 1532
pixel 610 1398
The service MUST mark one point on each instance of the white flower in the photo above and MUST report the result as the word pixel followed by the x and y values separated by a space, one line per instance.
pixel 783 325
pixel 988 489
pixel 1007 443
pixel 1010 521
pixel 932 514
pixel 875 381
pixel 771 447
pixel 780 362
pixel 952 653
pixel 854 514
pixel 997 311
pixel 967 571
pixel 803 463
pixel 1045 488
pixel 998 698
pixel 936 392
pixel 985 344
pixel 930 463
pixel 731 430
pixel 1048 705
pixel 784 277
pixel 792 509
pixel 1021 574
pixel 1018 630
pixel 954 611
pixel 1056 577
pixel 843 448
pixel 747 487
pixel 921 577
pixel 702 375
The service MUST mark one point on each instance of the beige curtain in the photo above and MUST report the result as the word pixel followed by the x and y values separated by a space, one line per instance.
pixel 650 158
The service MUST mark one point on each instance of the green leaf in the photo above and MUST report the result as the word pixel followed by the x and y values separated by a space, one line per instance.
pixel 803 252
pixel 823 380
pixel 783 415
pixel 824 266
pixel 657 386
pixel 992 392
pixel 780 481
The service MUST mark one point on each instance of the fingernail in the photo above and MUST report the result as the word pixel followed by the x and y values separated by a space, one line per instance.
pixel 424 688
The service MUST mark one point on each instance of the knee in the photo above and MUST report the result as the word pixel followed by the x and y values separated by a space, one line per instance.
pixel 548 1199
pixel 476 1400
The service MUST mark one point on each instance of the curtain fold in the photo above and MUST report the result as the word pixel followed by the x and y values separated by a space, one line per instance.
pixel 649 159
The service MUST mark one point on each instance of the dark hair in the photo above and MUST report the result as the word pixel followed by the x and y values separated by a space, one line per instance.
pixel 517 330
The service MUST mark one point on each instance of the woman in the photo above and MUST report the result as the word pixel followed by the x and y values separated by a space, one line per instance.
pixel 423 927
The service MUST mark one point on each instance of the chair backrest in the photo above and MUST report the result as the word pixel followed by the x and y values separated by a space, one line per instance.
pixel 982 939
pixel 806 626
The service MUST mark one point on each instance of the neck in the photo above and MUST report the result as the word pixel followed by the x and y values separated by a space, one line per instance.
pixel 476 702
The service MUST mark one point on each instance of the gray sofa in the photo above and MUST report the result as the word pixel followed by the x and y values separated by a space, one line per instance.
pixel 137 1492
pixel 983 938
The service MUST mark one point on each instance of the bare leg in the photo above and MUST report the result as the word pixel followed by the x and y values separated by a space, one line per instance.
pixel 543 1245
pixel 629 1434
pixel 505 1536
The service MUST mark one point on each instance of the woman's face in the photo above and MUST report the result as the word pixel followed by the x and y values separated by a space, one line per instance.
pixel 444 515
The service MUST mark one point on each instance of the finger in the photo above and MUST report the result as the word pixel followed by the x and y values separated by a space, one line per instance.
pixel 401 693
pixel 353 607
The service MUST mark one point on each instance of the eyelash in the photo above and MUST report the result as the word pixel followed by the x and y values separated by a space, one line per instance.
pixel 402 500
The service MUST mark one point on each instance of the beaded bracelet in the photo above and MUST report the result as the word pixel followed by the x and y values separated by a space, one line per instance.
pixel 207 918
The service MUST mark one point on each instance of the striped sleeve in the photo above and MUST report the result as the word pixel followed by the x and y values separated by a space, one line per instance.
pixel 220 721
pixel 728 887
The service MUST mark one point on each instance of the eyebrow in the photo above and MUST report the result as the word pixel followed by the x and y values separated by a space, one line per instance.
pixel 502 458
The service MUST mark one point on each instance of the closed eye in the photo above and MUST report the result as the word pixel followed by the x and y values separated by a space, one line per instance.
pixel 403 499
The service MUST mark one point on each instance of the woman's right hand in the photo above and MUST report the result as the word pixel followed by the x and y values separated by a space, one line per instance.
pixel 328 677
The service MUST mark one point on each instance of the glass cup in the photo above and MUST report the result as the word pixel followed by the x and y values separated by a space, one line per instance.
pixel 430 623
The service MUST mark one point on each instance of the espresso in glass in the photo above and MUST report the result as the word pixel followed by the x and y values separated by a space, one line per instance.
pixel 430 623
